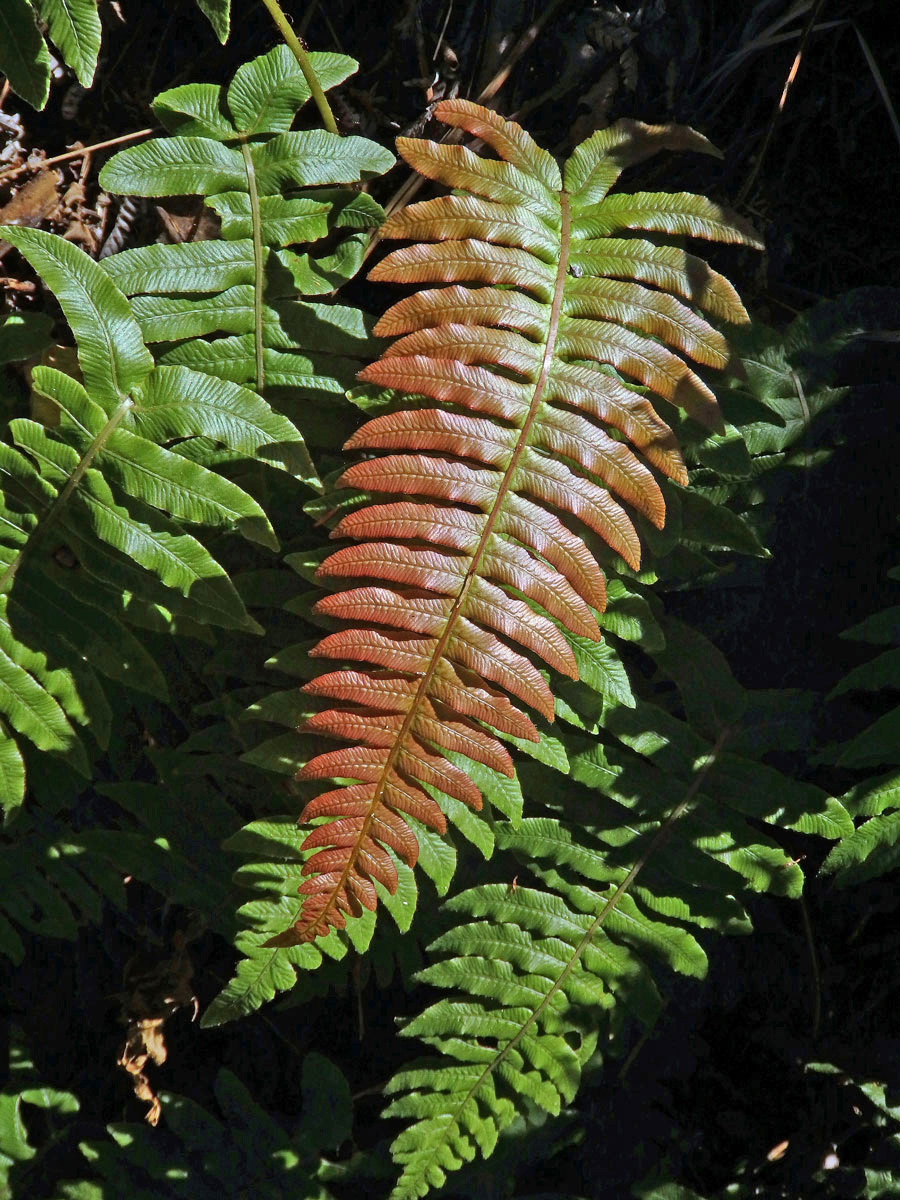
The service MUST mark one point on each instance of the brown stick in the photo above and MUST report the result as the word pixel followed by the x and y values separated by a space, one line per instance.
pixel 779 107
pixel 79 153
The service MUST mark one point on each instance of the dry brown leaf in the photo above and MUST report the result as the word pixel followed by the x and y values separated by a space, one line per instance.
pixel 155 988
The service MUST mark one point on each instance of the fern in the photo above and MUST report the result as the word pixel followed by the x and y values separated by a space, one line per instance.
pixel 230 307
pixel 243 1151
pixel 74 28
pixel 566 342
pixel 628 874
pixel 119 503
pixel 787 409
pixel 236 1151
pixel 874 847
pixel 22 1089
pixel 852 1165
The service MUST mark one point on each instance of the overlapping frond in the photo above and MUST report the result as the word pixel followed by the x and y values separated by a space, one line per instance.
pixel 75 29
pixel 230 307
pixel 468 573
pixel 22 1085
pixel 96 510
pixel 614 884
pixel 232 1148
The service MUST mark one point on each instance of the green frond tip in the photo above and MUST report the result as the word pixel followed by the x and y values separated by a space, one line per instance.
pixel 229 307
pixel 74 28
pixel 24 58
pixel 218 13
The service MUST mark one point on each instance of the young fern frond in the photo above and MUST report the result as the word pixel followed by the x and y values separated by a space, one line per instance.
pixel 229 307
pixel 96 507
pixel 542 374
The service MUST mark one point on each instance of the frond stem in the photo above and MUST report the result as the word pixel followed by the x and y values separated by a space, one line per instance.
pixel 296 47
pixel 47 521
pixel 258 268
pixel 659 839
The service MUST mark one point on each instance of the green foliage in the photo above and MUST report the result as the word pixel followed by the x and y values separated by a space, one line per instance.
pixel 236 1151
pixel 862 1112
pixel 18 1157
pixel 785 403
pixel 74 28
pixel 229 307
pixel 874 847
pixel 23 335
pixel 638 826
pixel 50 881
pixel 240 1151
pixel 104 482
pixel 655 845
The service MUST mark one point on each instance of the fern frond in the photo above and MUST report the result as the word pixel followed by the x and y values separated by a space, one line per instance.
pixel 626 874
pixel 23 1087
pixel 74 28
pixel 112 480
pixel 873 848
pixel 230 307
pixel 541 377
pixel 239 1150
pixel 49 884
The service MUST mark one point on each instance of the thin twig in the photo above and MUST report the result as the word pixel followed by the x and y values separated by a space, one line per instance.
pixel 879 80
pixel 79 153
pixel 814 966
pixel 779 108
pixel 440 40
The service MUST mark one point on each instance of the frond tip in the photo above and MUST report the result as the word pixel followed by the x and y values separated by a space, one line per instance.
pixel 548 334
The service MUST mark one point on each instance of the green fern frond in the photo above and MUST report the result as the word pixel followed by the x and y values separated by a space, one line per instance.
pixel 50 883
pixel 238 1151
pixel 658 847
pixel 74 28
pixel 23 1087
pixel 873 848
pixel 109 489
pixel 230 307
pixel 784 403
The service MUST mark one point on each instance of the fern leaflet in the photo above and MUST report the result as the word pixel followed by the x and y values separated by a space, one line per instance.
pixel 619 876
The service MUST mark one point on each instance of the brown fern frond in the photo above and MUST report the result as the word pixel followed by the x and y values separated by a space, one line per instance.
pixel 556 334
